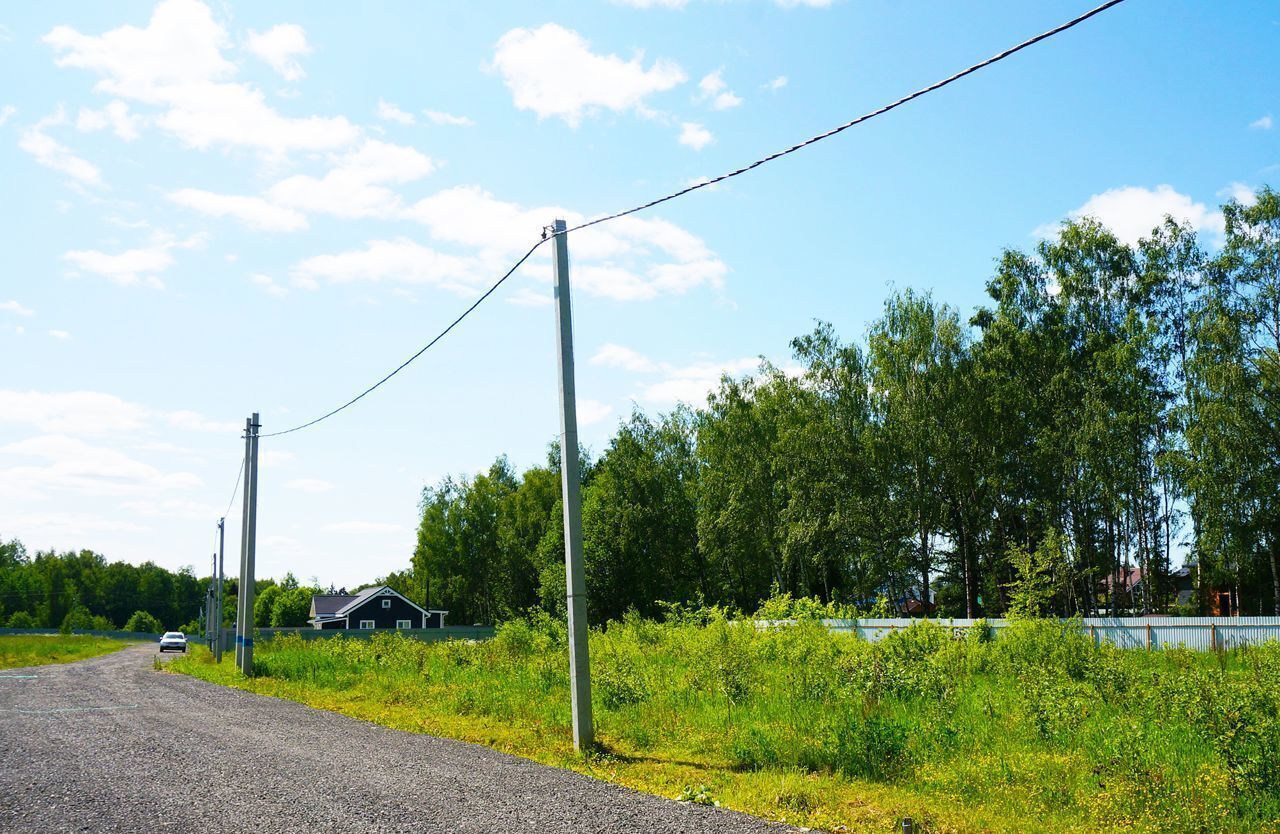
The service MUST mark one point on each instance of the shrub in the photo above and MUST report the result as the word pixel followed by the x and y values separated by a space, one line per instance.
pixel 144 622
pixel 77 619
pixel 618 680
pixel 21 619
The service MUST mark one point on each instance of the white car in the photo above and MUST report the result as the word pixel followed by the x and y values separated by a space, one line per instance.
pixel 175 640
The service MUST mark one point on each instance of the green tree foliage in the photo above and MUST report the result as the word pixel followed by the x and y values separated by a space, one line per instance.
pixel 143 621
pixel 1111 411
pixel 56 588
pixel 292 607
pixel 264 602
pixel 21 619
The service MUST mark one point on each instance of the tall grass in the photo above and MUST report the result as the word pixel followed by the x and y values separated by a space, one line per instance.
pixel 1039 730
pixel 18 650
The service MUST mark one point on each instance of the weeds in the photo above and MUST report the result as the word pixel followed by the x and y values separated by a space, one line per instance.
pixel 1038 729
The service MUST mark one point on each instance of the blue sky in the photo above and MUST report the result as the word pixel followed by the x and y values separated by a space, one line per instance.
pixel 216 209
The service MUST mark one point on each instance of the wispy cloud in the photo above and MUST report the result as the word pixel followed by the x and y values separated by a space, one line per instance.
pixel 388 112
pixel 439 117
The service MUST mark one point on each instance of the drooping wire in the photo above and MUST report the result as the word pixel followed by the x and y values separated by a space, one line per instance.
pixel 1076 21
pixel 424 349
pixel 1000 56
pixel 235 489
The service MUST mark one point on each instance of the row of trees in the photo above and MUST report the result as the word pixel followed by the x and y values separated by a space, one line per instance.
pixel 82 590
pixel 1114 410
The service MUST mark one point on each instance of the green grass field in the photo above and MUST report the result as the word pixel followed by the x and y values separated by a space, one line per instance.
pixel 17 650
pixel 1038 731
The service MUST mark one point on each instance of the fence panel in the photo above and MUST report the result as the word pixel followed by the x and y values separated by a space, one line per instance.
pixel 1200 633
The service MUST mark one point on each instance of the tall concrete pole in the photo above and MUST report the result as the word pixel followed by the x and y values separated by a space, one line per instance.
pixel 251 537
pixel 244 543
pixel 217 604
pixel 575 577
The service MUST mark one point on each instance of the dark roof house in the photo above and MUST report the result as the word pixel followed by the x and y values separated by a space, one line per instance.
pixel 377 607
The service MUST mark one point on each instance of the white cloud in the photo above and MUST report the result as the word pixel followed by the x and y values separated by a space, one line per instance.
pixel 194 421
pixel 51 153
pixel 279 46
pixel 712 88
pixel 356 185
pixel 653 4
pixel 60 334
pixel 312 485
pixel 529 297
pixel 254 212
pixel 692 383
pixel 128 268
pixel 695 136
pixel 439 117
pixel 15 307
pixel 687 383
pixel 776 84
pixel 277 457
pixel 72 528
pixel 388 112
pixel 1264 123
pixel 115 115
pixel 173 508
pixel 617 356
pixel 6 113
pixel 680 4
pixel 401 260
pixel 553 72
pixel 632 259
pixel 360 528
pixel 269 285
pixel 177 65
pixel 93 413
pixel 1132 212
pixel 1238 191
pixel 591 412
pixel 73 465
pixel 72 412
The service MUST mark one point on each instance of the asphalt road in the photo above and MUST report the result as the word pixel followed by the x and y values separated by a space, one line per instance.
pixel 111 745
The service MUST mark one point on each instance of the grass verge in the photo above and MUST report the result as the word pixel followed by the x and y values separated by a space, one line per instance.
pixel 18 650
pixel 1041 730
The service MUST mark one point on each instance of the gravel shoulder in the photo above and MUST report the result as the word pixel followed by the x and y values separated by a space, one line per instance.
pixel 111 745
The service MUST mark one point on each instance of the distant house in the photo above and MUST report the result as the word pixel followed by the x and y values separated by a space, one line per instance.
pixel 376 607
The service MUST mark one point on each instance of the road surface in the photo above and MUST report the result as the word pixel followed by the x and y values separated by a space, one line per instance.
pixel 111 745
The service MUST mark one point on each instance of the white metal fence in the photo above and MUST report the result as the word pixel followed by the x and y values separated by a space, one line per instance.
pixel 1202 633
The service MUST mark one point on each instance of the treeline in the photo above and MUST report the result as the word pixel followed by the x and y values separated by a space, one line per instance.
pixel 1110 413
pixel 82 590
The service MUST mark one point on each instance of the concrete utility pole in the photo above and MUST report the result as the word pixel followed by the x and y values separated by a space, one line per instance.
pixel 248 547
pixel 217 600
pixel 575 577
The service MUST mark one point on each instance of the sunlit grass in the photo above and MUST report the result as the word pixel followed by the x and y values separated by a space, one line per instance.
pixel 18 650
pixel 1039 731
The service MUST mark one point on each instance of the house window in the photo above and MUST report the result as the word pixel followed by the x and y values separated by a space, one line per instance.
pixel 366 624
pixel 403 624
pixel 386 603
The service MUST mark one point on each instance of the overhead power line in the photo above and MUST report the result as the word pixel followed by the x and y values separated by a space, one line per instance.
pixel 235 489
pixel 938 85
pixel 424 349
pixel 1076 21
